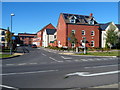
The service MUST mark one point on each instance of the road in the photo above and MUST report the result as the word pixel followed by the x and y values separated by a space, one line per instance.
pixel 43 68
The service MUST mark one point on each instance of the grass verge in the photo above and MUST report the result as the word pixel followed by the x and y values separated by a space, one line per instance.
pixel 5 55
pixel 113 53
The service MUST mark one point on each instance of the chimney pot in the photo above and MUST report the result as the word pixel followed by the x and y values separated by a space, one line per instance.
pixel 91 14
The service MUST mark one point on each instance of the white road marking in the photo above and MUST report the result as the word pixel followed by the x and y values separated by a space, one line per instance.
pixel 77 60
pixel 86 74
pixel 98 59
pixel 66 57
pixel 28 72
pixel 8 87
pixel 84 60
pixel 32 63
pixel 91 59
pixel 44 54
pixel 22 64
pixel 101 66
pixel 54 59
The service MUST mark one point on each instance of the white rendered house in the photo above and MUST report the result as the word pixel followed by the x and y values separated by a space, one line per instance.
pixel 105 28
pixel 2 36
pixel 49 35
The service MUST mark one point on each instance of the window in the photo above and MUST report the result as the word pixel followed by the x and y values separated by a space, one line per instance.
pixel 84 40
pixel 73 45
pixel 73 31
pixel 3 33
pixel 72 20
pixel 92 43
pixel 91 22
pixel 83 32
pixel 55 36
pixel 3 39
pixel 92 33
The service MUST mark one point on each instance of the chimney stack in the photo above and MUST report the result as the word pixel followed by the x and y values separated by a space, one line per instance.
pixel 91 14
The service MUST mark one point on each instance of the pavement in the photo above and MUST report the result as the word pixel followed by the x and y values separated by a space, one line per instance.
pixel 108 86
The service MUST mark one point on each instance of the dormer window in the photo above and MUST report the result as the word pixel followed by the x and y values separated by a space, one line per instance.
pixel 72 20
pixel 91 22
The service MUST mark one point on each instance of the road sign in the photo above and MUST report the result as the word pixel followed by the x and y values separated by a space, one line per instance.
pixel 13 38
pixel 69 39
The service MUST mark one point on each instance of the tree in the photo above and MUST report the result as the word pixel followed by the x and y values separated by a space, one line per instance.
pixel 111 36
pixel 8 37
pixel 73 39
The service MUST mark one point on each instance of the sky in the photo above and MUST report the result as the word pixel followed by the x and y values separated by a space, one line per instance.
pixel 30 17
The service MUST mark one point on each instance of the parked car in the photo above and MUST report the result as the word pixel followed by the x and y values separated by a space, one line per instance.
pixel 34 46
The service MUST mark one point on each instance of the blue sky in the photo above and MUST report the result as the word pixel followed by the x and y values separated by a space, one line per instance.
pixel 30 17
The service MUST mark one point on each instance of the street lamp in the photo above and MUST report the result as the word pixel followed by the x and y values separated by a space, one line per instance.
pixel 11 35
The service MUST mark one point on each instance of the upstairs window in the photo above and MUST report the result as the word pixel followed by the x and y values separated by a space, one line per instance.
pixel 73 31
pixel 92 33
pixel 3 39
pixel 91 22
pixel 72 20
pixel 3 33
pixel 92 43
pixel 83 32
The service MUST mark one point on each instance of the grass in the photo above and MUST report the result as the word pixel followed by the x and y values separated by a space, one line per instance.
pixel 113 53
pixel 5 55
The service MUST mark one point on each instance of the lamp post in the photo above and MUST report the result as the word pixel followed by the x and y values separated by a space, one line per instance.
pixel 11 34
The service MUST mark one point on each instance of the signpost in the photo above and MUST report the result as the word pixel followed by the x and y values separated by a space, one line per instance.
pixel 84 45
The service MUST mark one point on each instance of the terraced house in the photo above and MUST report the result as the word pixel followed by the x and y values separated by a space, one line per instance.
pixel 84 28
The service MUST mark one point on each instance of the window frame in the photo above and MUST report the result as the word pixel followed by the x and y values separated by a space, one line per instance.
pixel 83 31
pixel 92 33
pixel 2 32
pixel 73 31
pixel 72 20
pixel 92 43
pixel 2 38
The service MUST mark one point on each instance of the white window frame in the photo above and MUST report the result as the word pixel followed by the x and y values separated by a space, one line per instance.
pixel 92 44
pixel 73 45
pixel 73 31
pixel 92 33
pixel 83 31
pixel 72 20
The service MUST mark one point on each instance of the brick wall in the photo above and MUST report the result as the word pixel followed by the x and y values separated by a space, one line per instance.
pixel 87 28
pixel 61 31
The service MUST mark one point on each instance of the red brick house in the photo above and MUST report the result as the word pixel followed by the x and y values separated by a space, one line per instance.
pixel 83 27
pixel 39 39
pixel 26 38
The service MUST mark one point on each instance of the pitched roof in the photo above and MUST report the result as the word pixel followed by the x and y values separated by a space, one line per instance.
pixel 47 26
pixel 104 26
pixel 80 19
pixel 3 29
pixel 118 25
pixel 50 31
